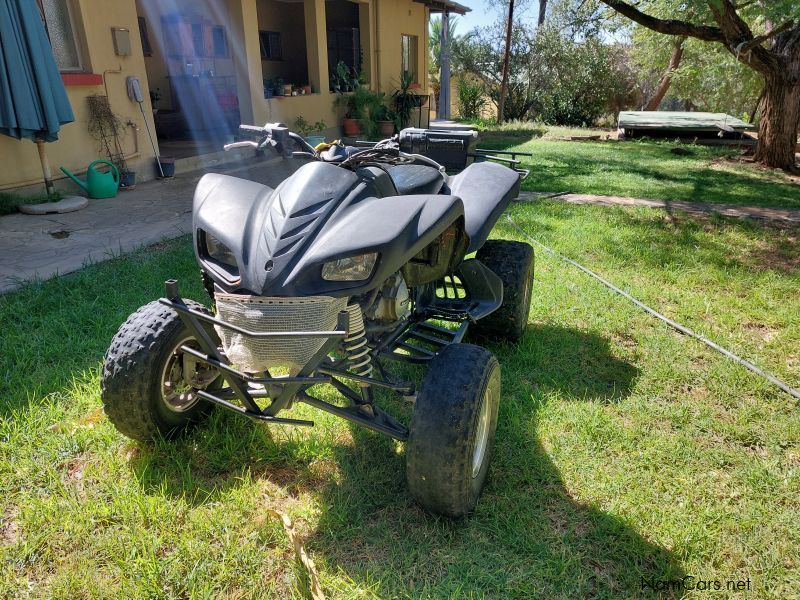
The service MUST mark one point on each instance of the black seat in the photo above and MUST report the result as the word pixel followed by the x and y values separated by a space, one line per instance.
pixel 486 189
pixel 416 179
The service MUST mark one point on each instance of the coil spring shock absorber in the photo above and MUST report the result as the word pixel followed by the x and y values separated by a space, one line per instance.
pixel 359 360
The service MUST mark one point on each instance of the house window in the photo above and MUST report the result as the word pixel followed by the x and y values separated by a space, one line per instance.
pixel 408 55
pixel 270 45
pixel 147 49
pixel 220 42
pixel 197 39
pixel 59 22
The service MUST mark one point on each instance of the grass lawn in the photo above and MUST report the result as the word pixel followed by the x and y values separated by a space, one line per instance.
pixel 641 169
pixel 624 451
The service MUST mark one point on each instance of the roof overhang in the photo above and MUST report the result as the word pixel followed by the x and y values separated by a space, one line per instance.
pixel 438 6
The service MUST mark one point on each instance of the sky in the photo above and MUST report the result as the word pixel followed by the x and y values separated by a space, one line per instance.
pixel 483 13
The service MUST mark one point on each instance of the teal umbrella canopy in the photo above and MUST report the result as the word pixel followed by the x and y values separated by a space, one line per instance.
pixel 33 101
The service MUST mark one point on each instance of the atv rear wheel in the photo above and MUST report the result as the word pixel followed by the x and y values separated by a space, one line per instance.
pixel 513 262
pixel 452 429
pixel 149 386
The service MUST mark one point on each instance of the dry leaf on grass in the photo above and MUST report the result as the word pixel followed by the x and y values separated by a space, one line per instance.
pixel 305 559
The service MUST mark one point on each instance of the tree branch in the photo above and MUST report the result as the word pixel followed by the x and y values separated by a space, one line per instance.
pixel 760 39
pixel 666 26
pixel 737 34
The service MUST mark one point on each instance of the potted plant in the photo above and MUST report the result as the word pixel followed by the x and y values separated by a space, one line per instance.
pixel 405 99
pixel 306 89
pixel 351 122
pixel 310 131
pixel 269 88
pixel 342 79
pixel 279 86
pixel 343 82
pixel 361 108
pixel 127 179
pixel 385 118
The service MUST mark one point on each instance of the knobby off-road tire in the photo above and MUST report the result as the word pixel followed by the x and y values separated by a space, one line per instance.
pixel 513 262
pixel 140 358
pixel 452 430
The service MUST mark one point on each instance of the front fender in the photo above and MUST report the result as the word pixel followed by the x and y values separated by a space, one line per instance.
pixel 397 228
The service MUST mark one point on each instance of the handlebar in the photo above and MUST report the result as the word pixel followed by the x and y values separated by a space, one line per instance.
pixel 277 135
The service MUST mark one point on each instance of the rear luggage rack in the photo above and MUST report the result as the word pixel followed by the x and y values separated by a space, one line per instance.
pixel 482 154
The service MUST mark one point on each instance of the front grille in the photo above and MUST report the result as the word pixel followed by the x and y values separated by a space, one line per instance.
pixel 263 313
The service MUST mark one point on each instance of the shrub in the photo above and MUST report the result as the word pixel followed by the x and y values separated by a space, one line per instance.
pixel 471 98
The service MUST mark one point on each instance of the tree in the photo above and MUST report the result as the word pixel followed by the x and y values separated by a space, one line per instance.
pixel 666 81
pixel 774 54
pixel 708 76
pixel 480 53
pixel 552 77
pixel 542 12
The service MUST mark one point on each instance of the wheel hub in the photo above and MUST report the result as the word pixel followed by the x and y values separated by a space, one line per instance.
pixel 182 376
pixel 484 425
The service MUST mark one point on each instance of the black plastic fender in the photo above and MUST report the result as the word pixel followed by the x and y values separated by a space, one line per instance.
pixel 396 228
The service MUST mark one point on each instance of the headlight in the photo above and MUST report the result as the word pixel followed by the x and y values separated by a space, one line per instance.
pixel 352 268
pixel 219 251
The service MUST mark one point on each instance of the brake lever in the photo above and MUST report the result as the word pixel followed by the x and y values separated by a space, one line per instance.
pixel 242 144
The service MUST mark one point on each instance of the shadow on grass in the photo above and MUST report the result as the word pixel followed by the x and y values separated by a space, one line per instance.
pixel 658 241
pixel 574 363
pixel 529 536
pixel 688 179
pixel 512 134
pixel 615 168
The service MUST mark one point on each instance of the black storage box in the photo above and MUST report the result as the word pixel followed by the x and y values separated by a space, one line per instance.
pixel 448 148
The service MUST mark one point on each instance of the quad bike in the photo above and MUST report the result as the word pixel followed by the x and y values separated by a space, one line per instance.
pixel 357 258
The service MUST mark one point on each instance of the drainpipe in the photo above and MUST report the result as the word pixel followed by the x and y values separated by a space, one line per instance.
pixel 377 47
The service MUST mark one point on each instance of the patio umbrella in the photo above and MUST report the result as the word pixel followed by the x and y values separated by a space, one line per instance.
pixel 33 101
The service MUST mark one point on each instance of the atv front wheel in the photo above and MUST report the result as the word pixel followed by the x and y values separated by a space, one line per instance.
pixel 452 429
pixel 149 386
pixel 513 262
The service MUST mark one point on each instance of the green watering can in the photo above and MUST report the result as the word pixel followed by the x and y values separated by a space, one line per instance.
pixel 98 184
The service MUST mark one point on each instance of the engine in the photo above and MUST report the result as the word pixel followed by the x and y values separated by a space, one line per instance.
pixel 393 302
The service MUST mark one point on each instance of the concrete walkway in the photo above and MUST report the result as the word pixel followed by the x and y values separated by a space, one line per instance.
pixel 38 247
pixel 729 210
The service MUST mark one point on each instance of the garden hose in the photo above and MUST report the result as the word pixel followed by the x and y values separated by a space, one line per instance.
pixel 675 325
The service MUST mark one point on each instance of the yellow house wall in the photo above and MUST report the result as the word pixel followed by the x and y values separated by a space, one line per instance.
pixel 287 19
pixel 94 18
pixel 397 17
pixel 75 148
pixel 388 22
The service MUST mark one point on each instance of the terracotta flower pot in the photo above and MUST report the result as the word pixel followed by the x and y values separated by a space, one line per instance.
pixel 351 127
pixel 386 128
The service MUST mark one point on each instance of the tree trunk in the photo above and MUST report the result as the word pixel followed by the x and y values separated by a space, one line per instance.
pixel 777 131
pixel 501 105
pixel 666 81
pixel 542 12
